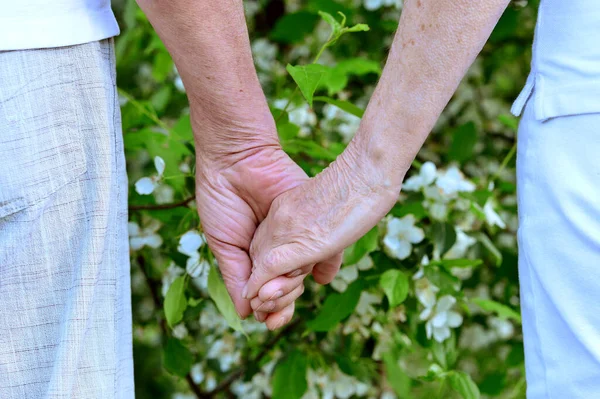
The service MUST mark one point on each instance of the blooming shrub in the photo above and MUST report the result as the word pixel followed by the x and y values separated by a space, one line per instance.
pixel 426 304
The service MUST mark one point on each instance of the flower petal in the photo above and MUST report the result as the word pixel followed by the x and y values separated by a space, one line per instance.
pixel 399 249
pixel 145 186
pixel 159 164
pixel 190 243
pixel 454 319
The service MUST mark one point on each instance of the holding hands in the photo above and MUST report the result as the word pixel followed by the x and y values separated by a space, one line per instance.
pixel 268 225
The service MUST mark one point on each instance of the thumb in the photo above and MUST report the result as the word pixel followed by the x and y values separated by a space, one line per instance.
pixel 235 267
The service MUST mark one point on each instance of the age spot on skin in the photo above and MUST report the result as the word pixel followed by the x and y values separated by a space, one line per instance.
pixel 418 3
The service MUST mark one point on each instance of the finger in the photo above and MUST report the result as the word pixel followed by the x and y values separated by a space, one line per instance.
pixel 235 267
pixel 279 319
pixel 278 262
pixel 260 316
pixel 278 304
pixel 324 272
pixel 282 285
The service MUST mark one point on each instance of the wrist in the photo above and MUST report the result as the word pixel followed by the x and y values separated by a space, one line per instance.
pixel 223 141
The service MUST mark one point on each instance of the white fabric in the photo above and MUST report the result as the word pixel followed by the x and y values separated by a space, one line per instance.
pixel 558 187
pixel 65 310
pixel 27 24
pixel 565 67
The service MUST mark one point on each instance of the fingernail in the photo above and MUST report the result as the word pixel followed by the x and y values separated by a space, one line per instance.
pixel 295 273
pixel 278 294
pixel 259 317
pixel 245 292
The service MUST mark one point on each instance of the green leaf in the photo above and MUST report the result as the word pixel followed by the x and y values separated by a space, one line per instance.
pixel 308 78
pixel 501 310
pixel 343 105
pixel 510 121
pixel 364 246
pixel 338 76
pixel 175 302
pixel 193 302
pixel 336 308
pixel 395 285
pixel 183 129
pixel 292 28
pixel 308 147
pixel 413 207
pixel 396 377
pixel 289 377
pixel 336 27
pixel 489 245
pixel 177 359
pixel 287 131
pixel 463 384
pixel 444 237
pixel 358 28
pixel 218 293
pixel 463 142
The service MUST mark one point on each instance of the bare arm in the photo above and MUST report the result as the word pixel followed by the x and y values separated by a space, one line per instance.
pixel 436 42
pixel 209 43
pixel 240 166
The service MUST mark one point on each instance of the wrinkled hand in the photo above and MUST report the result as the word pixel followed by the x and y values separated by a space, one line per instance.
pixel 234 193
pixel 311 223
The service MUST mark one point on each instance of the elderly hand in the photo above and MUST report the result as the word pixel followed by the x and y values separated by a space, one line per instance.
pixel 311 223
pixel 234 192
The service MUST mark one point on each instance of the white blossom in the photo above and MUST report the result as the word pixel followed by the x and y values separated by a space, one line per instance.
pixel 491 217
pixel 146 236
pixel 225 352
pixel 425 177
pixel 440 318
pixel 426 292
pixel 172 272
pixel 191 242
pixel 372 5
pixel 460 246
pixel 452 181
pixel 197 373
pixel 345 276
pixel 180 331
pixel 147 185
pixel 400 235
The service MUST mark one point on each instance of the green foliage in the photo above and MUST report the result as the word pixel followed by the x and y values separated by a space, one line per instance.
pixel 175 301
pixel 395 285
pixel 336 308
pixel 370 332
pixel 177 358
pixel 218 293
pixel 307 78
pixel 463 384
pixel 289 377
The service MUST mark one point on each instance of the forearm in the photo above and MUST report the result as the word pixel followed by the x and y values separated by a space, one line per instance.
pixel 436 42
pixel 209 43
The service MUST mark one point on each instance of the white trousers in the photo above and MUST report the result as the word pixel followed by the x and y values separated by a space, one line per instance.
pixel 65 310
pixel 558 186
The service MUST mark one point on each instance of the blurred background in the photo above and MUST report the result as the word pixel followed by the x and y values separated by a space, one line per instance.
pixel 426 304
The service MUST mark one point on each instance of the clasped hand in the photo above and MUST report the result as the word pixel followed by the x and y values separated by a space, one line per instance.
pixel 269 225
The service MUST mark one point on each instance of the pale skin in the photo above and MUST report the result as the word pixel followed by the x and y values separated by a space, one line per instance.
pixel 244 179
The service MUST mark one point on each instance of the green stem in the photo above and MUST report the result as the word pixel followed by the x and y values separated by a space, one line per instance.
pixel 293 96
pixel 505 161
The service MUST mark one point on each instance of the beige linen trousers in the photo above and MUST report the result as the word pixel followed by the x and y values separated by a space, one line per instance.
pixel 65 303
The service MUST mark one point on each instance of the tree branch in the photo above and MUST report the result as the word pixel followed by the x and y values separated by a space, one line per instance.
pixel 151 207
